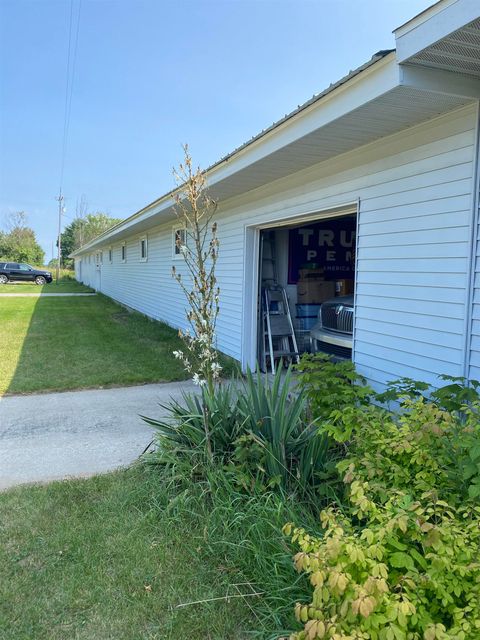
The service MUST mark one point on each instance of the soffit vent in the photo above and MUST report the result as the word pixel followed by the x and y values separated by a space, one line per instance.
pixel 458 52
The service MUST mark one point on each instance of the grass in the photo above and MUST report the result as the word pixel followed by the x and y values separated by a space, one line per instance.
pixel 66 284
pixel 147 553
pixel 107 558
pixel 56 344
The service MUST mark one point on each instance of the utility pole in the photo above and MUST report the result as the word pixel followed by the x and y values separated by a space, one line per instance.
pixel 59 239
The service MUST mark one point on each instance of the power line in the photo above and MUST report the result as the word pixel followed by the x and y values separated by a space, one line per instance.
pixel 65 110
pixel 70 77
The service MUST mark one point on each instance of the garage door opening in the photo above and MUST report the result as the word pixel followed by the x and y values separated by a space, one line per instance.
pixel 306 289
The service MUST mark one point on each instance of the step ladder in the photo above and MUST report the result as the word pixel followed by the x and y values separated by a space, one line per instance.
pixel 267 277
pixel 268 258
pixel 278 336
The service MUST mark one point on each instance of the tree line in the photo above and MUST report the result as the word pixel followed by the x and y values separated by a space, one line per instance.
pixel 18 242
pixel 82 230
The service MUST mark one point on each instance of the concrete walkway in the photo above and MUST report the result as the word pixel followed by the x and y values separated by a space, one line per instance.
pixel 77 433
pixel 43 295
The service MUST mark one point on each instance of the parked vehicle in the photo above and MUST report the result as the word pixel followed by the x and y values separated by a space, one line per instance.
pixel 21 272
pixel 333 333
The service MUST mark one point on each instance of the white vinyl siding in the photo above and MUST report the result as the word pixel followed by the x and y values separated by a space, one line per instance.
pixel 414 191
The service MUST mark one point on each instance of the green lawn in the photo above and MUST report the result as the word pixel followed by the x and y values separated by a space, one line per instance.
pixel 70 343
pixel 64 286
pixel 105 559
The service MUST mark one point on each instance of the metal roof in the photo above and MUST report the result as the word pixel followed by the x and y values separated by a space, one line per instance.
pixel 379 55
pixel 301 107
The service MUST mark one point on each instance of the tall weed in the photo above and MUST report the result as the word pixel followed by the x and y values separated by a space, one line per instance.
pixel 242 534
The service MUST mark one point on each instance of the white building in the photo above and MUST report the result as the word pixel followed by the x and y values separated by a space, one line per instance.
pixel 394 148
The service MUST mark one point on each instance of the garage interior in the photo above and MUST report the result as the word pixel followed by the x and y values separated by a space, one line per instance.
pixel 302 266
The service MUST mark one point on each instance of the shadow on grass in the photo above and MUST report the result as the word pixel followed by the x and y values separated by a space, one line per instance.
pixel 56 344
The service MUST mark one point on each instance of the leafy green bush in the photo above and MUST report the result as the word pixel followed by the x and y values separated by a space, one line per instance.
pixel 403 562
pixel 411 570
pixel 329 385
pixel 419 448
pixel 454 396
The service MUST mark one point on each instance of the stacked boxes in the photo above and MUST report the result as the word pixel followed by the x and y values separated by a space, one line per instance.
pixel 343 287
pixel 312 288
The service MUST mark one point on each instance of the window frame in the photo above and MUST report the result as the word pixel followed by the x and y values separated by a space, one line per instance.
pixel 110 255
pixel 175 230
pixel 143 239
pixel 123 253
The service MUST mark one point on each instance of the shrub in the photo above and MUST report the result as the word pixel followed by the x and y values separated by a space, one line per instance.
pixel 403 561
pixel 411 570
pixel 415 450
pixel 329 385
pixel 454 396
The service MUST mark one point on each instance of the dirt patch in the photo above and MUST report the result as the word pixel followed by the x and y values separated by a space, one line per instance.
pixel 121 317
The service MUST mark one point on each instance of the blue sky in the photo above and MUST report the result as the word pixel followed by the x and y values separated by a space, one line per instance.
pixel 151 75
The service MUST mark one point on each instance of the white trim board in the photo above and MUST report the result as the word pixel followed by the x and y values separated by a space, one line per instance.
pixel 251 272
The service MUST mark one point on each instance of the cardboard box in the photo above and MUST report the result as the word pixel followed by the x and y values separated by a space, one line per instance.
pixel 313 291
pixel 343 287
pixel 311 274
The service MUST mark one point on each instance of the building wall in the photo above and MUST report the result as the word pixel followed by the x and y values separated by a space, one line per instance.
pixel 414 191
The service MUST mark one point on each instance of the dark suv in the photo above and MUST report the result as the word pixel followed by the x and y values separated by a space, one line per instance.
pixel 21 272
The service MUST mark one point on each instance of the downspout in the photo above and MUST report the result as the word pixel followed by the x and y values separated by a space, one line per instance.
pixel 472 259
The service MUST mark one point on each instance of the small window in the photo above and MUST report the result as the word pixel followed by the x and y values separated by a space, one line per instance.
pixel 110 254
pixel 124 252
pixel 179 242
pixel 101 257
pixel 143 250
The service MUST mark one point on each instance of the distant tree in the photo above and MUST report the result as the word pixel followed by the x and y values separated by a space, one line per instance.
pixel 18 243
pixel 83 229
pixel 15 220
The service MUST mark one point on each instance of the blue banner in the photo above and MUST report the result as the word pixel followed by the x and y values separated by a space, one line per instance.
pixel 327 245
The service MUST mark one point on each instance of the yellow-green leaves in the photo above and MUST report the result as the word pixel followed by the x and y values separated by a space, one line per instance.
pixel 426 583
pixel 401 559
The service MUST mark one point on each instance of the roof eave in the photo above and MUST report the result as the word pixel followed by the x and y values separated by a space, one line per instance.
pixel 249 152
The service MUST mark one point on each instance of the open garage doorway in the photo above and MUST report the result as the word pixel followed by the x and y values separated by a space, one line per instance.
pixel 306 286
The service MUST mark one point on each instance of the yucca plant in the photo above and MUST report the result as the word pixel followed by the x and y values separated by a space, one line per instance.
pixel 184 429
pixel 295 452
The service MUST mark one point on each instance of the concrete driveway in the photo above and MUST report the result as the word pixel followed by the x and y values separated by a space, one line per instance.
pixel 77 433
